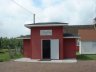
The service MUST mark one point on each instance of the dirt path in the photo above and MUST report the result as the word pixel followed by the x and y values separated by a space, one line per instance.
pixel 80 66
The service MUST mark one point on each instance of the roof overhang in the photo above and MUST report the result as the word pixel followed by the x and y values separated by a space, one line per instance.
pixel 22 38
pixel 52 24
pixel 65 25
pixel 90 26
pixel 76 37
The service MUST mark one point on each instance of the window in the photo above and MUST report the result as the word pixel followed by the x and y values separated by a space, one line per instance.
pixel 77 42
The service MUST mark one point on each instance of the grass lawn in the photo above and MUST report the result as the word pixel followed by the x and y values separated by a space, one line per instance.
pixel 86 56
pixel 4 55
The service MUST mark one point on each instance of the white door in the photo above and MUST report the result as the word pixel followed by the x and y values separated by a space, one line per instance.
pixel 55 49
pixel 88 47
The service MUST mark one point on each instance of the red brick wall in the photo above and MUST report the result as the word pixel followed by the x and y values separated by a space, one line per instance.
pixel 87 34
pixel 57 33
pixel 26 48
pixel 69 48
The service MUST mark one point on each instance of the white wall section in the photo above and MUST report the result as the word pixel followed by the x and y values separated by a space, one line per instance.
pixel 88 47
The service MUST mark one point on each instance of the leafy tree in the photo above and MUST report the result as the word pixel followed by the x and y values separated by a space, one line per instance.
pixel 0 43
pixel 12 43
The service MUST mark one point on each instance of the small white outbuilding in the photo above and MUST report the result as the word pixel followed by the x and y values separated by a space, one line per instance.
pixel 87 41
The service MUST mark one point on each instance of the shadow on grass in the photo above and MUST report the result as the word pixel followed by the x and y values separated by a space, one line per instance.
pixel 86 57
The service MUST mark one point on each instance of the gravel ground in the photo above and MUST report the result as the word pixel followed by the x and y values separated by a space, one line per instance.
pixel 80 66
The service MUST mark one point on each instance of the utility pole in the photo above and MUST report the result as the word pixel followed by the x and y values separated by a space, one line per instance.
pixel 34 18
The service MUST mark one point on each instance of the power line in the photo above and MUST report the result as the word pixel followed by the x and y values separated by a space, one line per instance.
pixel 22 6
pixel 25 9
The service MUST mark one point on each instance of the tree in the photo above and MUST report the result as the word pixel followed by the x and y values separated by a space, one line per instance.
pixel 95 20
pixel 0 43
pixel 95 23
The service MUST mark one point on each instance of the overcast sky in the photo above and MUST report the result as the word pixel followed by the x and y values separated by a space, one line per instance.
pixel 13 17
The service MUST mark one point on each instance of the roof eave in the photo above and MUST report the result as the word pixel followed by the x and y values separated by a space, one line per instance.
pixel 44 25
pixel 72 37
pixel 22 38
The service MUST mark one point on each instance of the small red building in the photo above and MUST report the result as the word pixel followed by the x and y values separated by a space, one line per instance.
pixel 49 41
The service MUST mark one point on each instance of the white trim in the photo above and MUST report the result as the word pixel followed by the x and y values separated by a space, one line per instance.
pixel 71 37
pixel 46 32
pixel 80 46
pixel 42 48
pixel 43 25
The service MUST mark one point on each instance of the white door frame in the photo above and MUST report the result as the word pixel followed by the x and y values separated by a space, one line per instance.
pixel 42 47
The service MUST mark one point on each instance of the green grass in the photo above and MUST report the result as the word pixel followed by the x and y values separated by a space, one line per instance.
pixel 18 56
pixel 4 55
pixel 86 56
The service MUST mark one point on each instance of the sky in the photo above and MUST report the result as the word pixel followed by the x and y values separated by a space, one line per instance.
pixel 13 17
